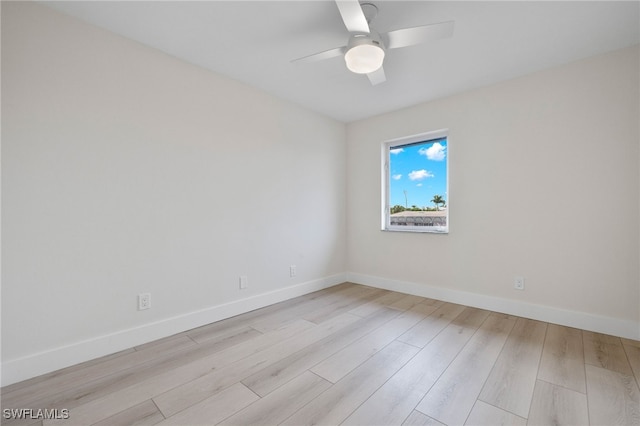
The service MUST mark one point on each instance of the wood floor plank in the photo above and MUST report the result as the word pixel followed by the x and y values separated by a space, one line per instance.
pixel 342 362
pixel 214 409
pixel 605 351
pixel 471 317
pixel 631 342
pixel 555 405
pixel 143 414
pixel 266 380
pixel 484 414
pixel 418 419
pixel 21 422
pixel 513 378
pixel 338 402
pixel 203 334
pixel 614 398
pixel 432 302
pixel 562 361
pixel 343 304
pixel 397 398
pixel 428 328
pixel 216 379
pixel 407 302
pixel 452 397
pixel 121 399
pixel 281 403
pixel 18 421
pixel 9 389
pixel 278 318
pixel 382 301
pixel 423 309
pixel 633 355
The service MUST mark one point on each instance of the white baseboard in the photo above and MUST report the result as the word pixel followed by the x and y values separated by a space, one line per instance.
pixel 33 365
pixel 582 320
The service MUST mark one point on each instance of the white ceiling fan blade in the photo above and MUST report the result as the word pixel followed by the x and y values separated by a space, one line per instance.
pixel 353 16
pixel 338 51
pixel 417 35
pixel 377 76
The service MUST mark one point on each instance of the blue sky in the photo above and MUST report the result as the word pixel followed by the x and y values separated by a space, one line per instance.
pixel 421 171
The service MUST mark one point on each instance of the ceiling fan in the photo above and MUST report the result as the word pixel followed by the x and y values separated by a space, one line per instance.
pixel 365 50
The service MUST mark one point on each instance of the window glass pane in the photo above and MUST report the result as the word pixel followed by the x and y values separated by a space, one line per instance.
pixel 417 185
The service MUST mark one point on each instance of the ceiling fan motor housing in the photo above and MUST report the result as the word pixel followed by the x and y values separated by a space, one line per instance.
pixel 365 53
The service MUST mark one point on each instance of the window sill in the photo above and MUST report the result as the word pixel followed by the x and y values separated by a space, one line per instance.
pixel 417 229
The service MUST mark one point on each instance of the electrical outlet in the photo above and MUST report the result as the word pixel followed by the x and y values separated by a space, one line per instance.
pixel 144 301
pixel 518 283
pixel 244 281
pixel 292 271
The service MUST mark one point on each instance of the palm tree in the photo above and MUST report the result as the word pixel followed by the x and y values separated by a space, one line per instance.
pixel 437 200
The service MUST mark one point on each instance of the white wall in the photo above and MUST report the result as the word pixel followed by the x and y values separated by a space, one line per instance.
pixel 543 184
pixel 125 170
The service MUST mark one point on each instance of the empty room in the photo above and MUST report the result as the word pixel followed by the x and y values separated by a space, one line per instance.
pixel 320 212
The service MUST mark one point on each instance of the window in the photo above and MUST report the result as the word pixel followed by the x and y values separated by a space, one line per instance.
pixel 415 187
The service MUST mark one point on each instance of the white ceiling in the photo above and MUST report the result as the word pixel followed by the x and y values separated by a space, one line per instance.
pixel 255 41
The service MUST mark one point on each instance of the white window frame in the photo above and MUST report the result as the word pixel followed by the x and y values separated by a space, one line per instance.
pixel 387 146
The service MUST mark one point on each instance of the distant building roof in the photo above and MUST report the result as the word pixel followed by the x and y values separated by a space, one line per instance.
pixel 411 213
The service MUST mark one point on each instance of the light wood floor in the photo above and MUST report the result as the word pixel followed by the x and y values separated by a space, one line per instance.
pixel 353 355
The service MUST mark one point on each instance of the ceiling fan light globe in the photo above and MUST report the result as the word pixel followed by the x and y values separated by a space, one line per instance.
pixel 364 58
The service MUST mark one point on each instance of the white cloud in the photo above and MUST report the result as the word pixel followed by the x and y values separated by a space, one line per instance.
pixel 396 151
pixel 419 184
pixel 435 152
pixel 396 177
pixel 420 174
